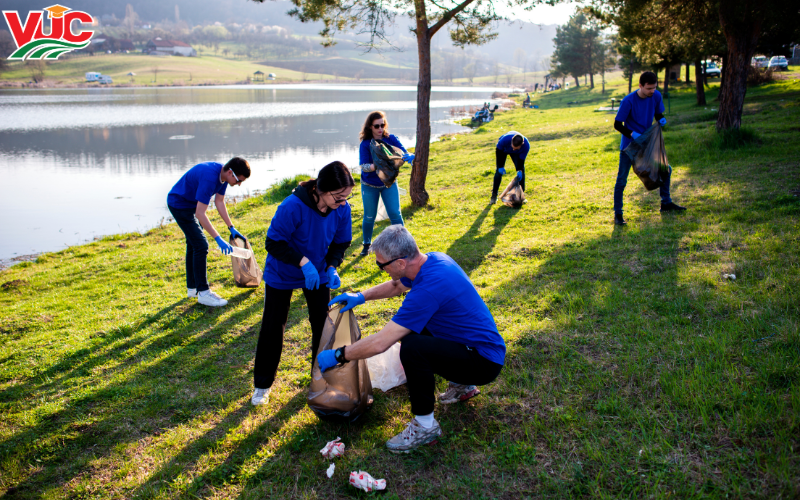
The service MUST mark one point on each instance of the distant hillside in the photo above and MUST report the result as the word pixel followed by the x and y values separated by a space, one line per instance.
pixel 535 40
pixel 343 67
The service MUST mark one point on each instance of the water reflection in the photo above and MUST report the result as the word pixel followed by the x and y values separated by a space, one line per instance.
pixel 104 159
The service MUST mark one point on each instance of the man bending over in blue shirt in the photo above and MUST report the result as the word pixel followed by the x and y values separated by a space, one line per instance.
pixel 516 146
pixel 635 114
pixel 188 201
pixel 444 327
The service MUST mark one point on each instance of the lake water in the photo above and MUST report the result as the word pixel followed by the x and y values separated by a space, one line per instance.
pixel 83 163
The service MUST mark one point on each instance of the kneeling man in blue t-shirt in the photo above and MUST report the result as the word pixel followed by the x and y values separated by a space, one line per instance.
pixel 444 327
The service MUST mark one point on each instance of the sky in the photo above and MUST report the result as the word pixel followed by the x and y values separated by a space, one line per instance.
pixel 543 14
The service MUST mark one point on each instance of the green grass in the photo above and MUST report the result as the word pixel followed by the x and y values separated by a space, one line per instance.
pixel 634 369
pixel 172 70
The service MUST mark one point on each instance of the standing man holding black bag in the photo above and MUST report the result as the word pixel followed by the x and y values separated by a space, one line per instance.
pixel 635 114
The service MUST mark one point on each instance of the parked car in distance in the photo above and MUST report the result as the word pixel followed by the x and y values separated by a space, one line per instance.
pixel 779 63
pixel 712 71
pixel 759 62
pixel 105 79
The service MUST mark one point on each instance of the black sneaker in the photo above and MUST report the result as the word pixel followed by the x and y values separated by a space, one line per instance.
pixel 365 250
pixel 618 220
pixel 671 207
pixel 493 200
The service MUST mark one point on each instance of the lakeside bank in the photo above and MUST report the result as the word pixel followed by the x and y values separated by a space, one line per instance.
pixel 634 368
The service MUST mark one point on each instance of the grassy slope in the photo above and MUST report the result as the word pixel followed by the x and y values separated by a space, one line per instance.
pixel 634 369
pixel 205 69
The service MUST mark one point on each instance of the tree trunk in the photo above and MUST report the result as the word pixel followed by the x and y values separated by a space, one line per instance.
pixel 603 77
pixel 591 80
pixel 666 81
pixel 577 82
pixel 630 77
pixel 741 24
pixel 419 168
pixel 698 76
pixel 688 75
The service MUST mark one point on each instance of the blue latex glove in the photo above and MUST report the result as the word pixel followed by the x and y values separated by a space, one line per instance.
pixel 334 281
pixel 326 360
pixel 408 157
pixel 236 234
pixel 350 299
pixel 520 175
pixel 502 170
pixel 662 122
pixel 312 276
pixel 635 135
pixel 223 246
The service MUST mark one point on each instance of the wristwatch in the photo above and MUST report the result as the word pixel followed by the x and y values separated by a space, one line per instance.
pixel 339 355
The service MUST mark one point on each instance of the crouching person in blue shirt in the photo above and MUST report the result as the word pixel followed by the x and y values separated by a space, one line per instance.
pixel 306 242
pixel 188 201
pixel 444 327
pixel 516 146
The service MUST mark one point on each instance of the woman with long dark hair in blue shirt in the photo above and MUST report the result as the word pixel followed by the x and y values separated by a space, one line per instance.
pixel 306 241
pixel 376 127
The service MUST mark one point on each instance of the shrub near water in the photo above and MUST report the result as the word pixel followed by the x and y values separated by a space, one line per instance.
pixel 635 369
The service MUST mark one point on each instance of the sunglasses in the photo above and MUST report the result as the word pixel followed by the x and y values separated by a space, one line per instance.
pixel 381 125
pixel 238 182
pixel 381 265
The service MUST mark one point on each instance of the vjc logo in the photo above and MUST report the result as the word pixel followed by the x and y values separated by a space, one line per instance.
pixel 33 43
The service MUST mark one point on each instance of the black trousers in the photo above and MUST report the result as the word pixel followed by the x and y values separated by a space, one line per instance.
pixel 273 326
pixel 423 356
pixel 196 247
pixel 519 164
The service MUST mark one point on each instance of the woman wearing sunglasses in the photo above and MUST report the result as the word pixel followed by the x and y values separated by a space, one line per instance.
pixel 306 241
pixel 188 201
pixel 377 127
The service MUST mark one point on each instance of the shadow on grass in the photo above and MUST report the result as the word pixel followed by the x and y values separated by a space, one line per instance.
pixel 472 247
pixel 156 395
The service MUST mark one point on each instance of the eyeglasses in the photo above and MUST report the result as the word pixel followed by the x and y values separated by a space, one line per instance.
pixel 238 182
pixel 381 265
pixel 380 125
pixel 339 200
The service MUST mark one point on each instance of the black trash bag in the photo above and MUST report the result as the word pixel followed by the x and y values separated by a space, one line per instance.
pixel 246 272
pixel 649 157
pixel 513 196
pixel 343 393
pixel 387 160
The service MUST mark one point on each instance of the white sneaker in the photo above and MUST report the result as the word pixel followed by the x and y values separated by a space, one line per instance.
pixel 260 396
pixel 191 293
pixel 209 298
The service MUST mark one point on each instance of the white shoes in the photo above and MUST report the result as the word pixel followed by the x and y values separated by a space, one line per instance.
pixel 209 298
pixel 191 293
pixel 260 397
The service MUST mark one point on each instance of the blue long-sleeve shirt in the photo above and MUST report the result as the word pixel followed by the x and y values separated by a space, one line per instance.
pixel 504 145
pixel 365 158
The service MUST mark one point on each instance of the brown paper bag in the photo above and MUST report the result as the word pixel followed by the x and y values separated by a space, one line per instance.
pixel 342 393
pixel 246 272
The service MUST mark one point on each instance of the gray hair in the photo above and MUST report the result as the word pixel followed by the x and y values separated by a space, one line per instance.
pixel 395 242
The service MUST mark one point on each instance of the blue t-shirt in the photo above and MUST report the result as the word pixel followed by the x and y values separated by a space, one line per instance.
pixel 306 232
pixel 199 183
pixel 365 157
pixel 504 145
pixel 444 300
pixel 637 113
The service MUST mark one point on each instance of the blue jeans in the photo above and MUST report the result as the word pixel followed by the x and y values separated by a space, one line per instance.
pixel 369 197
pixel 196 247
pixel 622 180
